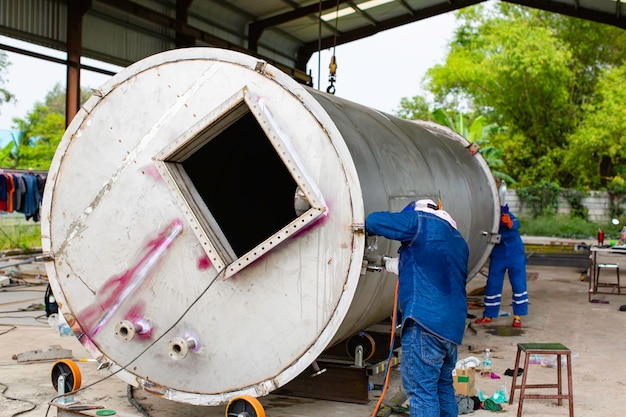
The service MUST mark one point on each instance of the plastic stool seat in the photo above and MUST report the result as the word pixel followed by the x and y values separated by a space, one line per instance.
pixel 543 349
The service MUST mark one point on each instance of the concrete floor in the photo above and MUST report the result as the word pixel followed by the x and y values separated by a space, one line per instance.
pixel 559 312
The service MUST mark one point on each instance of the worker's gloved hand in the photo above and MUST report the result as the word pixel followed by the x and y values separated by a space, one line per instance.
pixel 506 220
pixel 391 265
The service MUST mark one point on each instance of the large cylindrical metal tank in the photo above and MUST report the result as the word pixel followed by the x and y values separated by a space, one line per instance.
pixel 205 214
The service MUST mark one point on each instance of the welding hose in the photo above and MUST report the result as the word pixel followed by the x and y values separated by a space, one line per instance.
pixel 391 342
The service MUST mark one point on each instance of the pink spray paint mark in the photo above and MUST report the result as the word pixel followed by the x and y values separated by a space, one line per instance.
pixel 136 316
pixel 316 223
pixel 117 289
pixel 203 263
pixel 189 335
pixel 135 312
pixel 153 172
pixel 89 345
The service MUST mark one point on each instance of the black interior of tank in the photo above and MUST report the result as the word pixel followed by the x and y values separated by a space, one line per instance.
pixel 244 184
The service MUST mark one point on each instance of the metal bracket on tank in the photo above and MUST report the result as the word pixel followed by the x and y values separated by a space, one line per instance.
pixel 103 362
pixel 316 369
pixel 260 66
pixel 45 257
pixel 494 238
pixel 473 148
pixel 358 227
pixel 368 265
pixel 375 267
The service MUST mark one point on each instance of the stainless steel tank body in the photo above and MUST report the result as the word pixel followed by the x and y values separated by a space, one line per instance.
pixel 205 214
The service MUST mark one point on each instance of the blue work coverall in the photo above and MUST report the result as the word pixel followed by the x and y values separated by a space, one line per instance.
pixel 432 298
pixel 507 255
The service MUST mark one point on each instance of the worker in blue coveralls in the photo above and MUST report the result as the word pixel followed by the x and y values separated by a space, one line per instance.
pixel 508 255
pixel 433 274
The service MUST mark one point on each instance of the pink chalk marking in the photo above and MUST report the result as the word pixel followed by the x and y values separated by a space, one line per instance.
pixel 191 335
pixel 204 262
pixel 117 289
pixel 89 345
pixel 153 172
pixel 316 223
pixel 136 316
pixel 135 312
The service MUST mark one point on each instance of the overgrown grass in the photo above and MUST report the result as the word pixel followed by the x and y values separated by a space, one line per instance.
pixel 20 236
pixel 564 226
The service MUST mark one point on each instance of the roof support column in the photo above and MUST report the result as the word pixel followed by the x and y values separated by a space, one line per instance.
pixel 75 11
pixel 182 12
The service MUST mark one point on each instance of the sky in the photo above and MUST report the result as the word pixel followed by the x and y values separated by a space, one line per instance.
pixel 376 71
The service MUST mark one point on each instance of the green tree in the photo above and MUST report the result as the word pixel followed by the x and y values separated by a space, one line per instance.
pixel 40 132
pixel 531 71
pixel 503 73
pixel 5 95
pixel 416 108
pixel 55 99
pixel 597 151
pixel 478 131
pixel 594 47
pixel 474 129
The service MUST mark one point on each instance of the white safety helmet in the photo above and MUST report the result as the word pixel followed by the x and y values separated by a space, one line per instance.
pixel 429 206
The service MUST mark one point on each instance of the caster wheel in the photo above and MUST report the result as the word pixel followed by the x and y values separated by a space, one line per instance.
pixel 70 372
pixel 244 406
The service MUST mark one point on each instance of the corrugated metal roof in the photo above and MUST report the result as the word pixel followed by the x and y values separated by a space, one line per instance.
pixel 285 32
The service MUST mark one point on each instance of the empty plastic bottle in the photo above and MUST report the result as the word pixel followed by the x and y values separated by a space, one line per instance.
pixel 486 363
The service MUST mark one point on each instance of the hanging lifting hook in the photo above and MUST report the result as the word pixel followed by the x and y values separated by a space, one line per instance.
pixel 332 76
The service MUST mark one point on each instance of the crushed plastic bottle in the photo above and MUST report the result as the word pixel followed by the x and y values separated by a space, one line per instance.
pixel 63 328
pixel 500 396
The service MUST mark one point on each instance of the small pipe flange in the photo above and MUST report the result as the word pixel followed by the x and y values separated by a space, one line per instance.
pixel 178 348
pixel 125 331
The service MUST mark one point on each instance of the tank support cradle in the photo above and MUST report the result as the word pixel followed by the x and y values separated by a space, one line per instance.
pixel 342 372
